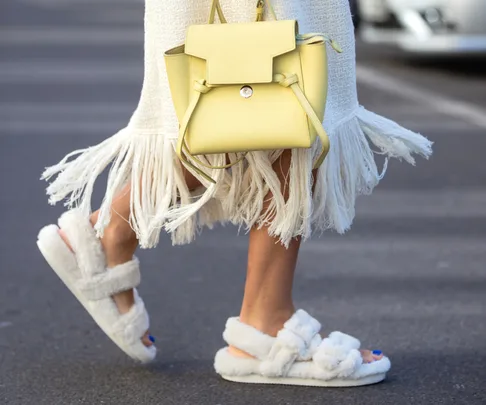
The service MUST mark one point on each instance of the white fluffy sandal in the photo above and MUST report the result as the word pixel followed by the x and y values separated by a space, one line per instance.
pixel 297 356
pixel 86 275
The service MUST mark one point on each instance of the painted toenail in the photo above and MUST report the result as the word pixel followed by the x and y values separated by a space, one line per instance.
pixel 151 338
pixel 377 352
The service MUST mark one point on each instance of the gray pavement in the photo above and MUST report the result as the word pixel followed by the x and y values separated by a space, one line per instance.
pixel 410 278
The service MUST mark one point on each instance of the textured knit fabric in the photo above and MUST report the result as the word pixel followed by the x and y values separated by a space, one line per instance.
pixel 143 152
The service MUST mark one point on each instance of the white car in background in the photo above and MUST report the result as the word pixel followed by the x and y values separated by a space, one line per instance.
pixel 425 26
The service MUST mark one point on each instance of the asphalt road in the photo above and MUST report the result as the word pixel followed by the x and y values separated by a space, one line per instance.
pixel 410 278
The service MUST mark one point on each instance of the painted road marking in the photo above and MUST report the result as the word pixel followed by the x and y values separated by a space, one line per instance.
pixel 435 101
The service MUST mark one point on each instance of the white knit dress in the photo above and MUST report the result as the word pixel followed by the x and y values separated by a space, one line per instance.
pixel 143 152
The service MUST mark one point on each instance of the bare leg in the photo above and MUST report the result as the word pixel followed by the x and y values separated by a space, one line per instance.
pixel 267 301
pixel 120 242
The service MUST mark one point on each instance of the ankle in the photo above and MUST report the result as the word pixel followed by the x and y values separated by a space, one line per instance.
pixel 269 322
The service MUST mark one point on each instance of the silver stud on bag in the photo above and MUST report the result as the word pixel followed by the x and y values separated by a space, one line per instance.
pixel 246 91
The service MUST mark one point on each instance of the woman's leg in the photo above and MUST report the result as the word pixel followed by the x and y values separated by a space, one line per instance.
pixel 267 302
pixel 120 242
pixel 269 263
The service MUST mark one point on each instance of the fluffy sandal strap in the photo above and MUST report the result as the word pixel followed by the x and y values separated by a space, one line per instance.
pixel 119 278
pixel 134 323
pixel 82 237
pixel 345 340
pixel 297 339
pixel 339 355
pixel 247 338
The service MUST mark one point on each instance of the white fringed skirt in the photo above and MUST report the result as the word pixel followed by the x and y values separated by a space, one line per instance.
pixel 143 153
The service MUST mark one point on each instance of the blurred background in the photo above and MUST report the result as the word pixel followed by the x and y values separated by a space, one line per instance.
pixel 428 27
pixel 409 278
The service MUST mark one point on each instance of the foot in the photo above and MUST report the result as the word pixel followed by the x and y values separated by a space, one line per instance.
pixel 272 330
pixel 123 300
pixel 367 355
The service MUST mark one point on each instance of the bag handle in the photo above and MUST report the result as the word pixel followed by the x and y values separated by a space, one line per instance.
pixel 216 8
pixel 285 80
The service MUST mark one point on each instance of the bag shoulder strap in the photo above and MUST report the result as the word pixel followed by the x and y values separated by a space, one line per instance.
pixel 261 4
pixel 216 7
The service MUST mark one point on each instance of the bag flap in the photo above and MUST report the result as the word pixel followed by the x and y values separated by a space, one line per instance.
pixel 243 52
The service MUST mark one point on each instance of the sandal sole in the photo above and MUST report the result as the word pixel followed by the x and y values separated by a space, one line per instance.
pixel 307 382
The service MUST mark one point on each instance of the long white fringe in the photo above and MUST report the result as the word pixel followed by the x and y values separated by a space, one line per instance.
pixel 350 169
pixel 160 198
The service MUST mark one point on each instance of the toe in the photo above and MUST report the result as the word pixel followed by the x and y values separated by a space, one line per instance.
pixel 377 355
pixel 367 356
pixel 147 339
pixel 371 356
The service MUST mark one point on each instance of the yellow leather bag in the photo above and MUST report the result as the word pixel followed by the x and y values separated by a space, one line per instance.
pixel 248 87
